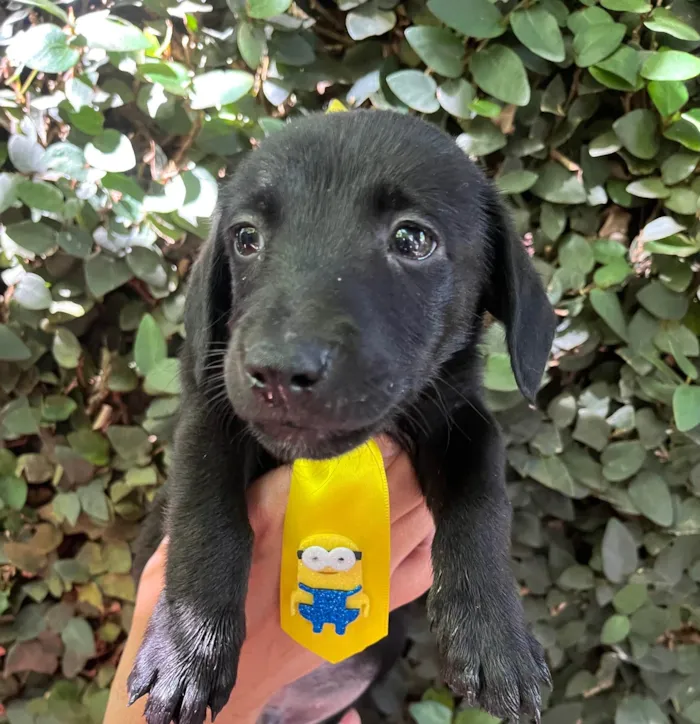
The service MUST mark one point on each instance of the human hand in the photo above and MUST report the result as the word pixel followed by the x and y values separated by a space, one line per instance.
pixel 269 658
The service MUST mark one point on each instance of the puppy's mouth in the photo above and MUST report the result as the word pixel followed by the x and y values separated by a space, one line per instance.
pixel 289 440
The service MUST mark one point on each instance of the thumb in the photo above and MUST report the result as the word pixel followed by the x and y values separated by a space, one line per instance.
pixel 351 717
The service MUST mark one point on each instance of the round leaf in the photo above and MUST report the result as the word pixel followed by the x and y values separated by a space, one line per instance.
pixel 438 48
pixel 597 42
pixel 638 133
pixel 686 407
pixel 219 87
pixel 619 551
pixel 615 629
pixel 263 9
pixel 150 346
pixel 671 65
pixel 498 71
pixel 415 89
pixel 110 151
pixel 538 31
pixel 32 293
pixel 44 48
pixel 473 18
pixel 651 496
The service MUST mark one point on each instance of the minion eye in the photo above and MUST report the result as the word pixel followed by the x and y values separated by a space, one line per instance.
pixel 315 558
pixel 342 559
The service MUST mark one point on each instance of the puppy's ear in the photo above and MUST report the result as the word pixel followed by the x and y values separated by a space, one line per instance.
pixel 208 304
pixel 515 296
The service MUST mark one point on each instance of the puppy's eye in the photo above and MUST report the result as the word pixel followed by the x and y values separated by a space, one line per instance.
pixel 247 240
pixel 412 242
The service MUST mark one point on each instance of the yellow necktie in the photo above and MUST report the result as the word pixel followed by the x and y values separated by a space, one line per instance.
pixel 334 587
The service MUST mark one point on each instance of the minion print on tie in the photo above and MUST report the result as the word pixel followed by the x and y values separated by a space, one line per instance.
pixel 329 581
pixel 334 583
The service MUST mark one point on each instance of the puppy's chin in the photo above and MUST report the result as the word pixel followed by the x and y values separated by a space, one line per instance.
pixel 288 443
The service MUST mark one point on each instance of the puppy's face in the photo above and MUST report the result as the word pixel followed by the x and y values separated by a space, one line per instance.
pixel 355 244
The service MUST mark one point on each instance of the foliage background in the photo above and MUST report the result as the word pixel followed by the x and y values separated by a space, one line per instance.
pixel 118 123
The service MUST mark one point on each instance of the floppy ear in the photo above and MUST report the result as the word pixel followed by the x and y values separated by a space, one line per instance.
pixel 208 303
pixel 515 296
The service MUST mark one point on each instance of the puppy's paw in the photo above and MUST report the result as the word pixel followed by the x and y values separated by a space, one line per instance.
pixel 185 664
pixel 488 655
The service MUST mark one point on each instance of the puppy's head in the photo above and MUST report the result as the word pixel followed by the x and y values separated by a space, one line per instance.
pixel 351 256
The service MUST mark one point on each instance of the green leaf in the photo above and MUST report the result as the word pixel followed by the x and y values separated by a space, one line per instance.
pixel 77 636
pixel 619 551
pixel 577 578
pixel 663 20
pixel 538 31
pixel 47 6
pixel 671 65
pixel 480 137
pixel 668 96
pixel 35 237
pixel 686 407
pixel 630 598
pixel 164 378
pixel 622 460
pixel 648 188
pixel 430 712
pixel 32 293
pixel 104 274
pixel 498 71
pixel 627 6
pixel 13 491
pixel 438 48
pixel 455 96
pixel 686 130
pixel 263 9
pixel 369 21
pixel 597 42
pixel 638 710
pixel 66 506
pixel 638 133
pixel 110 151
pixel 109 32
pixel 415 89
pixel 661 301
pixel 57 408
pixel 620 70
pixel 220 87
pixel 90 445
pixel 150 346
pixel 678 167
pixel 660 228
pixel 498 374
pixel 44 48
pixel 12 348
pixel 251 44
pixel 66 348
pixel 75 242
pixel 516 182
pixel 614 630
pixel 651 497
pixel 474 18
pixel 559 186
pixel 41 196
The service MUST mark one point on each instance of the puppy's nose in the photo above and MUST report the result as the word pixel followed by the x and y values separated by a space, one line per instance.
pixel 277 377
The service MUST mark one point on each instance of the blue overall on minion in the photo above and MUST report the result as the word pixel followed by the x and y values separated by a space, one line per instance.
pixel 329 606
pixel 329 583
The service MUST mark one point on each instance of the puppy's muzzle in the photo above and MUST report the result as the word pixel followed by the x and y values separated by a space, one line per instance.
pixel 283 377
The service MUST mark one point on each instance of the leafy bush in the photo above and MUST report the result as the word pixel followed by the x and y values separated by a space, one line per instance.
pixel 117 126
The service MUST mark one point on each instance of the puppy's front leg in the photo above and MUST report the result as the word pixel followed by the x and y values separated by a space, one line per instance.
pixel 189 656
pixel 487 653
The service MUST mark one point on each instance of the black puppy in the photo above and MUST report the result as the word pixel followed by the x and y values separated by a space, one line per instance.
pixel 342 294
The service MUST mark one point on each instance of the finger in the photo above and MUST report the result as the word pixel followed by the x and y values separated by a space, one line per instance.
pixel 351 717
pixel 413 577
pixel 408 532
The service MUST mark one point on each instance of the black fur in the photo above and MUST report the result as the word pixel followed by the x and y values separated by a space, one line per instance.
pixel 398 341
